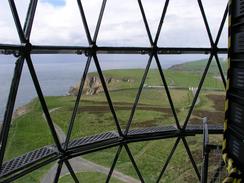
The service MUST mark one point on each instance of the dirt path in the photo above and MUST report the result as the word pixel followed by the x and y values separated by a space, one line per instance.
pixel 80 164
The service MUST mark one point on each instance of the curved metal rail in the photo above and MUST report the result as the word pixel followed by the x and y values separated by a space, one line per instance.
pixel 19 166
pixel 26 163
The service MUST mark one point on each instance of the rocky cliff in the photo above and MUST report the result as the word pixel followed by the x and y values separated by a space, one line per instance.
pixel 93 85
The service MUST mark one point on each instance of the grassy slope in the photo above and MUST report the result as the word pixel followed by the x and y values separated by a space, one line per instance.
pixel 34 128
pixel 95 122
pixel 179 78
pixel 198 66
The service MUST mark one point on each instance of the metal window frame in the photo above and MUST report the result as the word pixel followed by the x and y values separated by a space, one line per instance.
pixel 64 152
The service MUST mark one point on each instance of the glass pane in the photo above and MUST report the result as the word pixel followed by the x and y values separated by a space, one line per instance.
pixel 61 28
pixel 183 26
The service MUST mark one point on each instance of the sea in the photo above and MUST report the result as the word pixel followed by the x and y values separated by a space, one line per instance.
pixel 57 73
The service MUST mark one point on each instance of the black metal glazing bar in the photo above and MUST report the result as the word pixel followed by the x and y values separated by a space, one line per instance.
pixel 11 47
pixel 99 70
pixel 17 21
pixel 43 102
pixel 99 21
pixel 30 18
pixel 206 23
pixel 167 91
pixel 221 25
pixel 168 160
pixel 81 151
pixel 155 55
pixel 10 106
pixel 48 49
pixel 114 163
pixel 145 22
pixel 161 22
pixel 191 158
pixel 24 35
pixel 72 173
pixel 88 35
pixel 58 171
pixel 138 95
pixel 198 91
pixel 213 53
pixel 134 163
pixel 220 70
pixel 16 77
pixel 77 102
pixel 216 43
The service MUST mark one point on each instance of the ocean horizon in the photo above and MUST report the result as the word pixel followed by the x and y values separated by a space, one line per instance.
pixel 57 74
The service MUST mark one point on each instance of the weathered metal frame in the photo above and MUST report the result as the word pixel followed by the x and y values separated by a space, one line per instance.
pixel 63 152
pixel 207 148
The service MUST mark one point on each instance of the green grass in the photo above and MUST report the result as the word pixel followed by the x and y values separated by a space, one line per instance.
pixel 27 131
pixel 150 157
pixel 34 176
pixel 198 66
pixel 179 78
pixel 188 79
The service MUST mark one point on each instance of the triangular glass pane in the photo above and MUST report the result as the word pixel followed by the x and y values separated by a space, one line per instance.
pixel 6 74
pixel 183 74
pixel 22 8
pixel 183 26
pixel 214 11
pixel 150 157
pixel 211 99
pixel 94 115
pixel 195 144
pixel 122 25
pixel 153 108
pixel 28 125
pixel 58 74
pixel 92 10
pixel 94 167
pixel 125 166
pixel 8 32
pixel 123 74
pixel 179 168
pixel 153 11
pixel 61 28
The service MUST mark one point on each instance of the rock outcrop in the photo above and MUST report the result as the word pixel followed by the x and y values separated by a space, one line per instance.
pixel 93 85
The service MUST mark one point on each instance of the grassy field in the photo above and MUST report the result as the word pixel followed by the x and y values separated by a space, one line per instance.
pixel 94 117
pixel 198 66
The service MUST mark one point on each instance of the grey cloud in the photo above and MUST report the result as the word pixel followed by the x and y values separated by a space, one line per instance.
pixel 122 23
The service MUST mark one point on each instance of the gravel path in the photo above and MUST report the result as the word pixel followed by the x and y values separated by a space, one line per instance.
pixel 80 164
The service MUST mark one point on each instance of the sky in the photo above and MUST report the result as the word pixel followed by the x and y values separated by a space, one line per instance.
pixel 58 22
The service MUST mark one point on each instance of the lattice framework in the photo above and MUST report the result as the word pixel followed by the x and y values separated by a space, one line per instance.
pixel 71 148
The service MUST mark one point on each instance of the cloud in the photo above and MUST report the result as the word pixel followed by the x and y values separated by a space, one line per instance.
pixel 122 25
